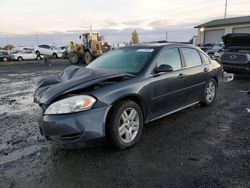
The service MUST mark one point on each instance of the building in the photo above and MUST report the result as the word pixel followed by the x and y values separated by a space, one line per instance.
pixel 212 31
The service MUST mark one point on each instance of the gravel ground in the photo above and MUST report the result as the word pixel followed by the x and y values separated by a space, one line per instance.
pixel 197 147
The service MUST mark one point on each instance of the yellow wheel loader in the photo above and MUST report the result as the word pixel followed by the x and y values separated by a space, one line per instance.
pixel 92 47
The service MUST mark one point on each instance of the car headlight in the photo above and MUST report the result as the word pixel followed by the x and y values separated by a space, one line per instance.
pixel 71 104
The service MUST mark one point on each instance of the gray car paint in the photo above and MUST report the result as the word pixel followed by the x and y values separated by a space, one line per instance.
pixel 157 94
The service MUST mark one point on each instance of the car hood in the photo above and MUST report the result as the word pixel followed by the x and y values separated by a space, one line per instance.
pixel 73 78
pixel 236 40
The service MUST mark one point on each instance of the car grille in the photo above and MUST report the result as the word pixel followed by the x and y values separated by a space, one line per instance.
pixel 234 58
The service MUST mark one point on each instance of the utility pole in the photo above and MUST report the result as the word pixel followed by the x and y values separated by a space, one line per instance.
pixel 90 27
pixel 36 39
pixel 225 15
pixel 166 36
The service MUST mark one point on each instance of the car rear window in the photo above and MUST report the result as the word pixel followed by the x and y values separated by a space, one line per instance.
pixel 205 59
pixel 191 56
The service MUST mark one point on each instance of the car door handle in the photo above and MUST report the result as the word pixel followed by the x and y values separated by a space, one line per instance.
pixel 206 69
pixel 181 75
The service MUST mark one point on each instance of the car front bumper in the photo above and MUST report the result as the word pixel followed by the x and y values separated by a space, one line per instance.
pixel 77 128
pixel 237 68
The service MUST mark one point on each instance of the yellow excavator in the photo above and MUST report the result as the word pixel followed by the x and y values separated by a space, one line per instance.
pixel 93 46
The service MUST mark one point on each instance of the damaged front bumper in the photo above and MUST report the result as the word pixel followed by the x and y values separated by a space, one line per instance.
pixel 81 128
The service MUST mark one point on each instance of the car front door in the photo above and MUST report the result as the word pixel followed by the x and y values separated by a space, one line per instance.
pixel 167 88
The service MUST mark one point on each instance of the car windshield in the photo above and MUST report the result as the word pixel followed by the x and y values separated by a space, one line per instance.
pixel 125 60
pixel 56 48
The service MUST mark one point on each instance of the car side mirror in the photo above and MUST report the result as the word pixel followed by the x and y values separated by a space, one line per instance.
pixel 163 68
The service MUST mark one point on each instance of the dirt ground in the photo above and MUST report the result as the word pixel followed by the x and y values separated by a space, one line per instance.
pixel 197 147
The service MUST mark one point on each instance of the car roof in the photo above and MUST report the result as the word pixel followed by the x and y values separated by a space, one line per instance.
pixel 160 45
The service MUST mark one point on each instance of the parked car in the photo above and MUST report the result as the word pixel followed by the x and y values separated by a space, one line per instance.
pixel 215 48
pixel 47 50
pixel 65 50
pixel 115 95
pixel 4 56
pixel 25 55
pixel 217 54
pixel 206 47
pixel 236 55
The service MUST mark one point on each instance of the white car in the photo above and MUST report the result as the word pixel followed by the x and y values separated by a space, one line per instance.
pixel 47 50
pixel 26 55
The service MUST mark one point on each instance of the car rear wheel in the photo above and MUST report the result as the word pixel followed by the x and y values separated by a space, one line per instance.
pixel 209 93
pixel 54 56
pixel 38 53
pixel 20 59
pixel 125 124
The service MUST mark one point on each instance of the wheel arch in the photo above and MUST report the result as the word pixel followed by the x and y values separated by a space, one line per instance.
pixel 216 79
pixel 133 97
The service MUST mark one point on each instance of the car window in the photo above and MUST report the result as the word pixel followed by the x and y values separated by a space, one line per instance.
pixel 191 56
pixel 205 59
pixel 170 57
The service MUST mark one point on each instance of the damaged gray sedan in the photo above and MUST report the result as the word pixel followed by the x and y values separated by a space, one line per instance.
pixel 114 96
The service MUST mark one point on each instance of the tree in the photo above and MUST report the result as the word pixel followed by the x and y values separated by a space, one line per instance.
pixel 134 38
pixel 8 47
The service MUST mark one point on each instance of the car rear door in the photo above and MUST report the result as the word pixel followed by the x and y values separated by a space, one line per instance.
pixel 196 74
pixel 167 92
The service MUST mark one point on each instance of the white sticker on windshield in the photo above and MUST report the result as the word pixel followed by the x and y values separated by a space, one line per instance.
pixel 145 50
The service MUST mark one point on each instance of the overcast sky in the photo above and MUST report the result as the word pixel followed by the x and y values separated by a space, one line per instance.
pixel 24 22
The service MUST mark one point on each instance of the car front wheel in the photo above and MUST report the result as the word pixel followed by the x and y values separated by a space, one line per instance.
pixel 125 124
pixel 209 93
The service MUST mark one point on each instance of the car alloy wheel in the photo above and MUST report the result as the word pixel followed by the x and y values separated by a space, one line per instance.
pixel 129 125
pixel 210 92
pixel 125 124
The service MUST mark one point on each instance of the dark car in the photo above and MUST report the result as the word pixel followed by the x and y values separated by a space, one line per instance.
pixel 214 49
pixel 236 55
pixel 115 95
pixel 4 56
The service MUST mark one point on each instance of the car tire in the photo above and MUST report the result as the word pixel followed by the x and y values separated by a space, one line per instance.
pixel 125 124
pixel 209 93
pixel 38 53
pixel 54 56
pixel 20 58
pixel 88 57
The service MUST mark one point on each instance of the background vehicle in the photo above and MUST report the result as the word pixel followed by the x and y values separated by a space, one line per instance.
pixel 25 55
pixel 215 48
pixel 236 55
pixel 206 47
pixel 47 50
pixel 217 54
pixel 120 91
pixel 92 47
pixel 4 56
